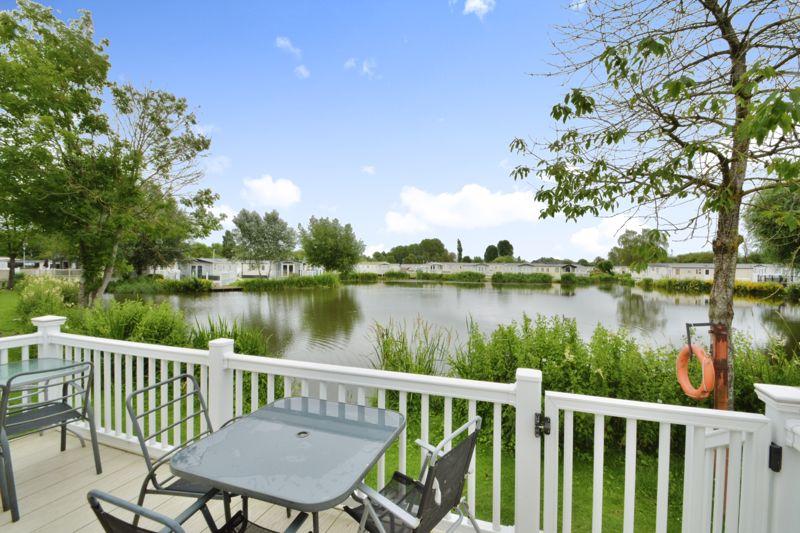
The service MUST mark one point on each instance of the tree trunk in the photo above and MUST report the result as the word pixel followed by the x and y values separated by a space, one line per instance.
pixel 12 269
pixel 108 272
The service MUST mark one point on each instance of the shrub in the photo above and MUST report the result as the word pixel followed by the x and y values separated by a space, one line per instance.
pixel 359 277
pixel 248 340
pixel 396 274
pixel 162 324
pixel 466 277
pixel 646 284
pixel 793 292
pixel 186 285
pixel 159 285
pixel 759 289
pixel 290 282
pixel 115 320
pixel 45 295
pixel 568 279
pixel 602 277
pixel 538 277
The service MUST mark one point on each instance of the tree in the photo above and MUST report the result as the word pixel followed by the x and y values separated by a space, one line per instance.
pixel 330 244
pixel 490 254
pixel 604 266
pixel 637 250
pixel 505 249
pixel 459 250
pixel 228 245
pixel 259 239
pixel 583 262
pixel 773 219
pixel 425 251
pixel 674 102
pixel 466 259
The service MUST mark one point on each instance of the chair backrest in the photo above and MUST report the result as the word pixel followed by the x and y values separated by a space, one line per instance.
pixel 146 431
pixel 29 404
pixel 444 477
pixel 115 524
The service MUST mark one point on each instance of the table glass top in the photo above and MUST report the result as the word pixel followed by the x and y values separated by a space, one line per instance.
pixel 303 453
pixel 44 368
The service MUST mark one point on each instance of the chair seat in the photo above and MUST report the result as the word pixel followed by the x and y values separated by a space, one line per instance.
pixel 188 487
pixel 40 418
pixel 402 490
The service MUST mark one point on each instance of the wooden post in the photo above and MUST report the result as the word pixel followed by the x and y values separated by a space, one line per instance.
pixel 220 382
pixel 528 451
pixel 720 351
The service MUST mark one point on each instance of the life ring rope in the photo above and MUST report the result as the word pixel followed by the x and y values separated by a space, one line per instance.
pixel 682 368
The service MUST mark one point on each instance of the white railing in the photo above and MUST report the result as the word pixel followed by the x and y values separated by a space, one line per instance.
pixel 724 474
pixel 726 484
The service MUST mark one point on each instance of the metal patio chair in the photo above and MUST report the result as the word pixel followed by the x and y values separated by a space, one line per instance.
pixel 29 405
pixel 406 505
pixel 115 524
pixel 159 479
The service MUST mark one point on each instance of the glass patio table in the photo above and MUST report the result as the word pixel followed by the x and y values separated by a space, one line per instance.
pixel 32 371
pixel 299 453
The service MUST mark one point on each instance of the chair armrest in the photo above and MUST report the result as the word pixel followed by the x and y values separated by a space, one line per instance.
pixel 172 524
pixel 428 447
pixel 410 520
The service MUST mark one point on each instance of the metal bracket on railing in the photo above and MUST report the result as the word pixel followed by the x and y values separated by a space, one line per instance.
pixel 775 457
pixel 541 425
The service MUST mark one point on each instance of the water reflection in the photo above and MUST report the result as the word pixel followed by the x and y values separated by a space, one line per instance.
pixel 636 311
pixel 330 314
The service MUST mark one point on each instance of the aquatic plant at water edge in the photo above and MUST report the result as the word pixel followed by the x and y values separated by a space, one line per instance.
pixel 290 282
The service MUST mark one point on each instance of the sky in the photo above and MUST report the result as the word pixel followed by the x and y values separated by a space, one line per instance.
pixel 392 116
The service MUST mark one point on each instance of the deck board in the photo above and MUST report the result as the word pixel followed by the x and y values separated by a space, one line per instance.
pixel 52 486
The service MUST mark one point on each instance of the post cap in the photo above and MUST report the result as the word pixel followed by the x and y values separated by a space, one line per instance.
pixel 529 374
pixel 781 397
pixel 220 343
pixel 48 320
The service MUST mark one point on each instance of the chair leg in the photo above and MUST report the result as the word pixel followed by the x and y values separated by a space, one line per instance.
pixel 226 503
pixel 209 519
pixel 3 488
pixel 95 446
pixel 140 500
pixel 63 436
pixel 288 513
pixel 11 493
pixel 465 509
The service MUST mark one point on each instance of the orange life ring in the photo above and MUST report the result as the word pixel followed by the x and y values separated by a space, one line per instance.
pixel 682 367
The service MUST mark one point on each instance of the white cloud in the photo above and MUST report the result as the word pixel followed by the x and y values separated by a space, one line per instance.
pixel 351 63
pixel 368 169
pixel 368 67
pixel 478 7
pixel 285 44
pixel 265 191
pixel 599 239
pixel 372 248
pixel 216 164
pixel 228 211
pixel 302 72
pixel 471 207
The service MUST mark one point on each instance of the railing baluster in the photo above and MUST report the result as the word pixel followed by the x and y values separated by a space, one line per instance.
pixel 448 420
pixel 254 391
pixel 288 383
pixel 662 491
pixel 551 470
pixel 497 445
pixel 361 396
pixel 177 438
pixel 630 475
pixel 237 388
pixel 270 388
pixel 107 426
pixel 304 388
pixel 26 352
pixel 566 511
pixel 693 481
pixel 204 392
pixel 733 488
pixel 341 392
pixel 151 396
pixel 473 466
pixel 719 489
pixel 597 475
pixel 424 423
pixel 708 475
pixel 401 447
pixel 189 407
pixel 382 460
pixel 163 420
pixel 128 390
pixel 747 499
pixel 139 384
pixel 323 390
pixel 117 362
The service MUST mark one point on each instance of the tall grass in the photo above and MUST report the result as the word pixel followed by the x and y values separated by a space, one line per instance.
pixel 290 282
pixel 359 277
pixel 248 340
pixel 396 274
pixel 158 285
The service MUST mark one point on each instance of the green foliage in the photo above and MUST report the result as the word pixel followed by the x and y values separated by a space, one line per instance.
pixel 162 324
pixel 359 277
pixel 423 351
pixel 258 239
pixel 459 250
pixel 113 319
pixel 793 292
pixel 425 251
pixel 773 219
pixel 491 253
pixel 157 285
pixel 741 288
pixel 396 274
pixel 248 340
pixel 604 266
pixel 568 278
pixel 290 282
pixel 328 243
pixel 505 259
pixel 45 295
pixel 646 284
pixel 537 277
pixel 637 250
pixel 464 277
pixel 505 249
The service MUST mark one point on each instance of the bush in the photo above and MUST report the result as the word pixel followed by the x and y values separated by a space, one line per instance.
pixel 766 289
pixel 290 282
pixel 646 284
pixel 159 285
pixel 114 320
pixel 500 277
pixel 793 292
pixel 466 277
pixel 45 295
pixel 568 279
pixel 359 277
pixel 186 285
pixel 162 324
pixel 396 274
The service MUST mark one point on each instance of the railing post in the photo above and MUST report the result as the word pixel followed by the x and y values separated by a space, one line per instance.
pixel 528 452
pixel 46 326
pixel 783 410
pixel 220 382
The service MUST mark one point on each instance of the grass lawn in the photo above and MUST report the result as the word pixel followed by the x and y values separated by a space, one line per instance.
pixel 10 324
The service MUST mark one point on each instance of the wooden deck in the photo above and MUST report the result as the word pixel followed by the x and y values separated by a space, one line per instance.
pixel 52 487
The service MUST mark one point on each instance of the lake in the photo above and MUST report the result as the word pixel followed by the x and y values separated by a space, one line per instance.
pixel 334 325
